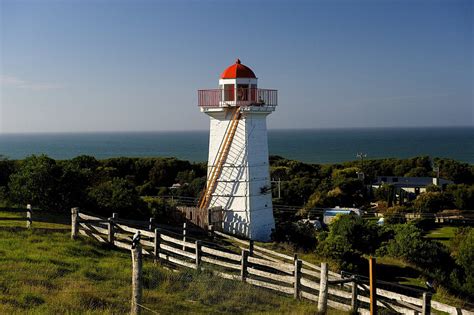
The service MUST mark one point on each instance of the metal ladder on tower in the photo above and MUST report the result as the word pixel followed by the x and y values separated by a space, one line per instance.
pixel 219 162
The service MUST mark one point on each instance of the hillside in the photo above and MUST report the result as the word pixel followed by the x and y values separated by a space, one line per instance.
pixel 44 272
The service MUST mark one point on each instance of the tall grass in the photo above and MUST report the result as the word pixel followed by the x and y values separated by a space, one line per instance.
pixel 42 271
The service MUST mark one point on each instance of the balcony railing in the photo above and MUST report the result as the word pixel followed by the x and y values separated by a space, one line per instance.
pixel 237 97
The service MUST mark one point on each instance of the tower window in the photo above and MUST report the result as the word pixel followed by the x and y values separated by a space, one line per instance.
pixel 229 92
pixel 242 92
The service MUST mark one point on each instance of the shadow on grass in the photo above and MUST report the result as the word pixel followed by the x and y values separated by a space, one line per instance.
pixel 398 274
pixel 36 230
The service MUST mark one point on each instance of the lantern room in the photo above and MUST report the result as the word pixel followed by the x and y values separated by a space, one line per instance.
pixel 238 83
pixel 237 87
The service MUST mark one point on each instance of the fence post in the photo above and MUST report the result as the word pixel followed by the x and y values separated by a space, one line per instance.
pixel 297 275
pixel 210 230
pixel 198 254
pixel 136 279
pixel 29 216
pixel 184 235
pixel 110 228
pixel 209 217
pixel 251 248
pixel 151 224
pixel 244 263
pixel 426 308
pixel 323 289
pixel 373 286
pixel 74 222
pixel 156 250
pixel 354 305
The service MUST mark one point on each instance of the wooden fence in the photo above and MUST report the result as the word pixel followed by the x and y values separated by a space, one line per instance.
pixel 254 265
pixel 209 218
pixel 28 216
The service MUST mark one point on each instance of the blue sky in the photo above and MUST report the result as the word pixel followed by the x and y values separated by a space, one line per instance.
pixel 136 65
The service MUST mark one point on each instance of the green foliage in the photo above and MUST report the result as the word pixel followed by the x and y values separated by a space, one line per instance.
pixel 117 195
pixel 432 202
pixel 163 210
pixel 456 171
pixel 395 215
pixel 301 235
pixel 464 255
pixel 7 168
pixel 348 239
pixel 42 182
pixel 433 188
pixel 165 170
pixel 462 196
pixel 409 244
pixel 349 172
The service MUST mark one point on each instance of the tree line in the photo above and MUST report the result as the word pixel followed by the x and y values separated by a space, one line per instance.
pixel 119 184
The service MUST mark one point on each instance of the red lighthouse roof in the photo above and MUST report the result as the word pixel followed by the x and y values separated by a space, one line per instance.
pixel 237 70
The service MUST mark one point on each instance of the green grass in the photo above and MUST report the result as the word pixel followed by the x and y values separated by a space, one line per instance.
pixel 41 219
pixel 443 234
pixel 43 271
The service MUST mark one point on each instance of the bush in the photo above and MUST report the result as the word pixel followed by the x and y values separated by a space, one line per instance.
pixel 409 244
pixel 164 211
pixel 116 195
pixel 39 181
pixel 300 234
pixel 348 239
pixel 464 255
pixel 432 202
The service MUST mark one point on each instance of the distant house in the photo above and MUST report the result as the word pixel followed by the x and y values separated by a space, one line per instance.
pixel 331 213
pixel 415 185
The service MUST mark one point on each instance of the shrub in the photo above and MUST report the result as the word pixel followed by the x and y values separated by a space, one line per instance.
pixel 409 244
pixel 432 202
pixel 117 195
pixel 348 239
pixel 300 234
pixel 464 256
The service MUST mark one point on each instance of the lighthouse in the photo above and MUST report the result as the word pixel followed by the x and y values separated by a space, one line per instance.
pixel 238 175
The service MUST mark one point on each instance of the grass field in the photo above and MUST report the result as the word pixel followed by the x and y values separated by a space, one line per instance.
pixel 443 234
pixel 44 272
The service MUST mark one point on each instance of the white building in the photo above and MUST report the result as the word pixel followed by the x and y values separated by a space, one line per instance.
pixel 331 213
pixel 238 176
pixel 414 185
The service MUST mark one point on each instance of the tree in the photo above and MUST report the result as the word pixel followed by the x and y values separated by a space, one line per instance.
pixel 38 182
pixel 465 257
pixel 432 202
pixel 409 244
pixel 117 195
pixel 348 239
pixel 462 196
pixel 7 168
pixel 460 173
pixel 387 193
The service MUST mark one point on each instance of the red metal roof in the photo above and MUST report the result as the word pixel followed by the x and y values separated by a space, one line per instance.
pixel 237 70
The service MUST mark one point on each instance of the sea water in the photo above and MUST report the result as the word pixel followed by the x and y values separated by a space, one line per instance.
pixel 312 146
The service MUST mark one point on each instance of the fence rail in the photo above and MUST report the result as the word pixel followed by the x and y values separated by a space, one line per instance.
pixel 255 265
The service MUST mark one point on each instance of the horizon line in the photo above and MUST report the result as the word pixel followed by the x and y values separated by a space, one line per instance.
pixel 203 130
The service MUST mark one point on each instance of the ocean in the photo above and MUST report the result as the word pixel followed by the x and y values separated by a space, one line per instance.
pixel 312 146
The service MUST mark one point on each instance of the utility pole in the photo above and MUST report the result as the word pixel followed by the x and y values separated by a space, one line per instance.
pixel 361 156
pixel 278 185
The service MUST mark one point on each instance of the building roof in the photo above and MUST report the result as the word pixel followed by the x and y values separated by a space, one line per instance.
pixel 238 70
pixel 401 181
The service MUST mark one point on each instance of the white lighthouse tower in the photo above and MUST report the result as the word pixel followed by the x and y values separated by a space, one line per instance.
pixel 238 176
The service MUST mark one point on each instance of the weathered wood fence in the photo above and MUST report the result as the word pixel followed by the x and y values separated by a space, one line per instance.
pixel 252 264
pixel 210 218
